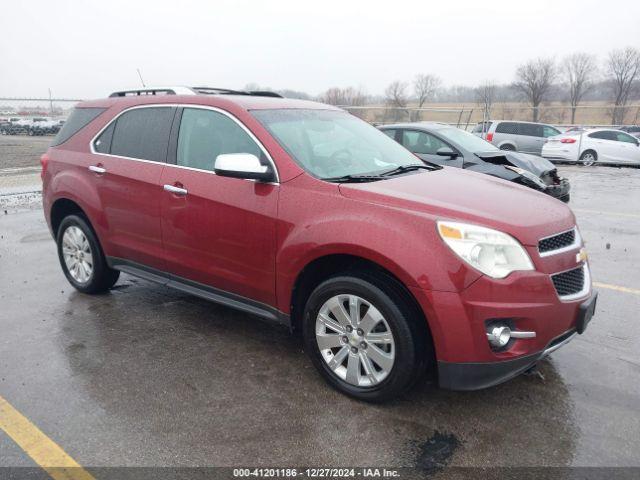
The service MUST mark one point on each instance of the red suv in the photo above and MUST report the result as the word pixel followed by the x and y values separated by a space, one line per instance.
pixel 301 213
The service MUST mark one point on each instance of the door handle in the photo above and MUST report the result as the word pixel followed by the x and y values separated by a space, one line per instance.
pixel 175 190
pixel 97 169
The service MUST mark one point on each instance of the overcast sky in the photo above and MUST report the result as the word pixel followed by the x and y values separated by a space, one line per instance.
pixel 85 49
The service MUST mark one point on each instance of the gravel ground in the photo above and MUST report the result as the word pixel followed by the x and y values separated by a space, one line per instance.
pixel 22 151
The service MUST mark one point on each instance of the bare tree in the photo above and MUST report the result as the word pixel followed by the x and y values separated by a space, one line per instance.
pixel 395 96
pixel 485 96
pixel 349 96
pixel 623 68
pixel 580 71
pixel 424 90
pixel 534 80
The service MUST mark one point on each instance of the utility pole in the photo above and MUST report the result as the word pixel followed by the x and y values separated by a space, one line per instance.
pixel 50 105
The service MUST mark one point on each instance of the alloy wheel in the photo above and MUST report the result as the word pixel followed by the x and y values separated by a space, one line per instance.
pixel 77 254
pixel 355 340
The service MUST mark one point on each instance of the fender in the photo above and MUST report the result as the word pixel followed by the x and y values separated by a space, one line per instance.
pixel 71 185
pixel 412 242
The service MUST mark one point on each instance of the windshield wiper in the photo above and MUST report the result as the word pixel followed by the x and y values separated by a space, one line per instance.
pixel 354 178
pixel 411 168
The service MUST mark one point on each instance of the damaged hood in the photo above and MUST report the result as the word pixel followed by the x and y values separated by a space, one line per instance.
pixel 532 163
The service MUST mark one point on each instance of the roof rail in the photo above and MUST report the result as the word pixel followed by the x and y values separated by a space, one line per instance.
pixel 190 91
pixel 227 91
pixel 153 91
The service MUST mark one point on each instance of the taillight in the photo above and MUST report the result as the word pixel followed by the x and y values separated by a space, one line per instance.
pixel 44 161
pixel 567 140
pixel 490 137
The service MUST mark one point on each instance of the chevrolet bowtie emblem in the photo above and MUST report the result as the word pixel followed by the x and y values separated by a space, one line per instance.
pixel 581 256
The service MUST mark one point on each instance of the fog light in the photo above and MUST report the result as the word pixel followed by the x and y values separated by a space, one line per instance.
pixel 499 336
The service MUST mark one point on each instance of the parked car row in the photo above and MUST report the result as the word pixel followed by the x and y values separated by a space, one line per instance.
pixel 30 126
pixel 577 144
pixel 391 267
pixel 596 145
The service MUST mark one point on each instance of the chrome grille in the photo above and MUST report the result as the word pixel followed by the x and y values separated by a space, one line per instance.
pixel 569 282
pixel 557 242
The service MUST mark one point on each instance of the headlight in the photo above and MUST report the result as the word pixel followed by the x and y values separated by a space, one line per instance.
pixel 494 253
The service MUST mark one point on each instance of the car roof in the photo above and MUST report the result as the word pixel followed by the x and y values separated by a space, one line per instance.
pixel 223 100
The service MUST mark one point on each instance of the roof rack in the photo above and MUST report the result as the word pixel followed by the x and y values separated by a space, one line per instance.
pixel 190 91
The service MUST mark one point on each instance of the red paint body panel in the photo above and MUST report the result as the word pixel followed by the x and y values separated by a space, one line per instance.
pixel 221 234
pixel 254 239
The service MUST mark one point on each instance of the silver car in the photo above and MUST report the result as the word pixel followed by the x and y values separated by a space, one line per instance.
pixel 510 135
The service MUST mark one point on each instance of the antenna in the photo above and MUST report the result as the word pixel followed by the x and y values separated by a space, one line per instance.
pixel 140 75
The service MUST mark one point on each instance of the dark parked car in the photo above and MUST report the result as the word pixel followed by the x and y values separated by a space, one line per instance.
pixel 450 146
pixel 301 213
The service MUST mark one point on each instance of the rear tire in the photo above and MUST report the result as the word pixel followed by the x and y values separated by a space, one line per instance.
pixel 588 158
pixel 354 362
pixel 508 148
pixel 81 257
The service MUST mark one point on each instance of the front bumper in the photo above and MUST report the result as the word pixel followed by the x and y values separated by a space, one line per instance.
pixel 479 375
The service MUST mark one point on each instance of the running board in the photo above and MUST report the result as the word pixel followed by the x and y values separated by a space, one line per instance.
pixel 212 294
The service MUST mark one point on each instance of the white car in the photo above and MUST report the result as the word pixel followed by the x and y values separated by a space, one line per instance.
pixel 596 145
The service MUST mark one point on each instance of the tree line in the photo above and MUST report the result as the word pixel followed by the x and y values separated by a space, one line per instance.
pixel 572 79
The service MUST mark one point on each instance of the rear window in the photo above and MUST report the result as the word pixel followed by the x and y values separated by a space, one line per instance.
pixel 481 127
pixel 79 118
pixel 143 133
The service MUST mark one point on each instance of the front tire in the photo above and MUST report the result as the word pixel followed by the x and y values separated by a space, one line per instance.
pixel 588 158
pixel 81 257
pixel 363 338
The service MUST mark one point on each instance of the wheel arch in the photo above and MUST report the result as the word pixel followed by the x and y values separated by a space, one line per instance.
pixel 321 268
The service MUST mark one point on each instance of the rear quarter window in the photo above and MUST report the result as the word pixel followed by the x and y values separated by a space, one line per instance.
pixel 79 118
pixel 508 128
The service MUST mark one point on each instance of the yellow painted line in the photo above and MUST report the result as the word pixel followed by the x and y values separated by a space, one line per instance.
pixel 617 288
pixel 42 450
pixel 615 214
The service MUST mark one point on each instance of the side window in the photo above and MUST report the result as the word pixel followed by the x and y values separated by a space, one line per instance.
pixel 421 142
pixel 623 137
pixel 548 131
pixel 507 127
pixel 205 134
pixel 530 129
pixel 390 133
pixel 102 144
pixel 79 118
pixel 143 133
pixel 603 135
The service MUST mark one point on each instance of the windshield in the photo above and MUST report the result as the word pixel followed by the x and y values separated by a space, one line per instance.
pixel 467 140
pixel 331 144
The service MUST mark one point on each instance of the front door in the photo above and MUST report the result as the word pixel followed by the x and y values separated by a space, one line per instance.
pixel 218 231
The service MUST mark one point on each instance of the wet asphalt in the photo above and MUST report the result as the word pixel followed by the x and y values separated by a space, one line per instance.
pixel 146 376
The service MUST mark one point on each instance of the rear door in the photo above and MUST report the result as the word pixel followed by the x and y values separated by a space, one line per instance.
pixel 218 231
pixel 531 138
pixel 129 156
pixel 605 144
pixel 627 150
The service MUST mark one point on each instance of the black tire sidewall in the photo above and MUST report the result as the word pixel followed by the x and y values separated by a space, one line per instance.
pixel 405 363
pixel 102 276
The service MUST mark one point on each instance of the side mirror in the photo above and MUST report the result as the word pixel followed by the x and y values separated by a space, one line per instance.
pixel 242 165
pixel 447 152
